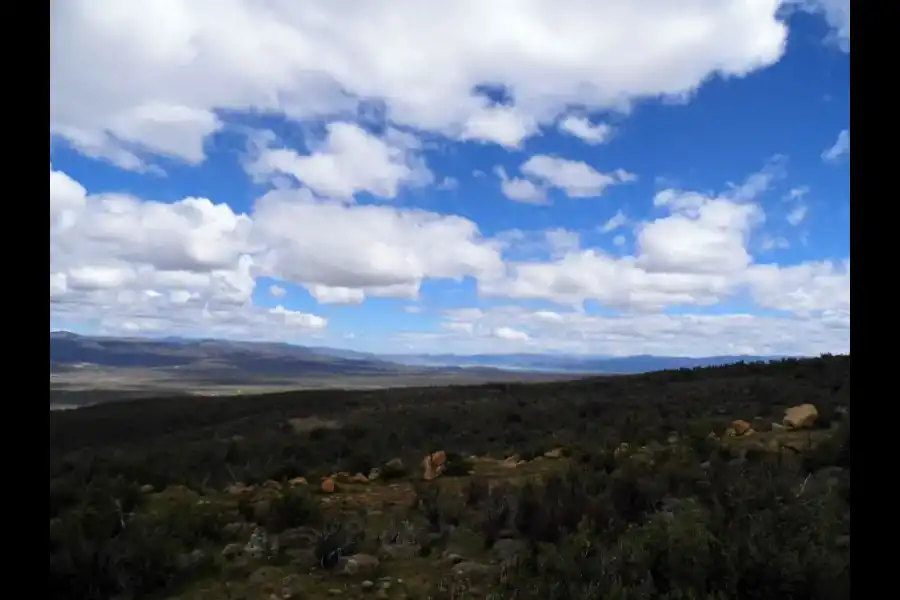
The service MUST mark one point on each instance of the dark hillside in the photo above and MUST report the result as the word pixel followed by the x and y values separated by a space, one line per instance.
pixel 674 423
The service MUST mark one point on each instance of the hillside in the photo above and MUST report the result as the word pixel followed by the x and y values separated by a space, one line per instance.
pixel 252 358
pixel 676 484
pixel 70 352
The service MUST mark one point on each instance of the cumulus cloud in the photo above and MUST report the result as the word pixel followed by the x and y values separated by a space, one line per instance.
pixel 696 255
pixel 179 67
pixel 520 190
pixel 348 161
pixel 576 179
pixel 588 132
pixel 194 263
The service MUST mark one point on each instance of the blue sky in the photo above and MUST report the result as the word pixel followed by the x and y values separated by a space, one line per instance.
pixel 594 178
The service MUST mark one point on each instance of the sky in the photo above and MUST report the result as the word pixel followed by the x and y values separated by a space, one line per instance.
pixel 603 177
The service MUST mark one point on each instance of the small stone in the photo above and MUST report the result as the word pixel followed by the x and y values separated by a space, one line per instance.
pixel 335 592
pixel 367 585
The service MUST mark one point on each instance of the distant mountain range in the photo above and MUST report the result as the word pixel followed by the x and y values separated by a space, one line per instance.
pixel 572 363
pixel 68 350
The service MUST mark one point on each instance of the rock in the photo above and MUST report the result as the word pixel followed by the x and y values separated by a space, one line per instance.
pixel 433 465
pixel 740 427
pixel 359 478
pixel 367 584
pixel 298 481
pixel 803 416
pixel 146 489
pixel 622 448
pixel 328 485
pixel 335 592
pixel 271 484
pixel 358 564
pixel 232 550
pixel 374 474
pixel 778 427
pixel 555 453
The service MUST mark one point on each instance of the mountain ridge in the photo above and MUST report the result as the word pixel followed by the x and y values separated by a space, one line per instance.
pixel 69 349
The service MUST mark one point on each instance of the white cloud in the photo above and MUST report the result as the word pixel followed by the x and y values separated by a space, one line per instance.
pixel 349 161
pixel 293 318
pixel 194 263
pixel 588 132
pixel 770 242
pixel 576 178
pixel 797 214
pixel 500 125
pixel 840 147
pixel 448 184
pixel 697 255
pixel 510 334
pixel 521 190
pixel 615 222
pixel 162 74
pixel 662 334
pixel 276 291
pixel 562 241
pixel 836 13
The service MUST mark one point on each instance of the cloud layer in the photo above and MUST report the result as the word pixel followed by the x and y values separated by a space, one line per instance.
pixel 375 86
pixel 178 65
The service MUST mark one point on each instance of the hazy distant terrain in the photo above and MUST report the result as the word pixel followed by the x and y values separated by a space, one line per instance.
pixel 83 368
pixel 87 370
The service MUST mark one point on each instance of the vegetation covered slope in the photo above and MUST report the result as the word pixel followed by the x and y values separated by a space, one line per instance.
pixel 620 487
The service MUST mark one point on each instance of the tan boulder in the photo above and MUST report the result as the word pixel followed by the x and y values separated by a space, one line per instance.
pixel 555 453
pixel 803 416
pixel 433 465
pixel 328 485
pixel 741 427
pixel 359 478
pixel 298 481
pixel 439 458
pixel 146 489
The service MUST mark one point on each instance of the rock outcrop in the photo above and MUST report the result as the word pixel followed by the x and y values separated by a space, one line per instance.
pixel 803 416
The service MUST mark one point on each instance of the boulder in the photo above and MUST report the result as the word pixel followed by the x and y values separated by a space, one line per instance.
pixel 803 416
